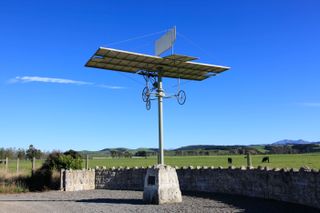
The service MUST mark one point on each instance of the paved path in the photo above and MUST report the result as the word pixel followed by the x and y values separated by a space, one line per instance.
pixel 130 201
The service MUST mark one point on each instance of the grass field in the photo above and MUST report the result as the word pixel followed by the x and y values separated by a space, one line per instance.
pixel 25 166
pixel 276 161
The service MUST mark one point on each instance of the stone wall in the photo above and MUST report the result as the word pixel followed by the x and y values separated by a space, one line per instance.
pixel 120 178
pixel 76 180
pixel 296 186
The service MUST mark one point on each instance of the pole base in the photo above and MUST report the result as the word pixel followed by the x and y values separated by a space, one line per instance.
pixel 161 185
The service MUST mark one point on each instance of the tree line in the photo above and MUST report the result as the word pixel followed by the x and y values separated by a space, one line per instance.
pixel 22 154
pixel 293 149
pixel 127 154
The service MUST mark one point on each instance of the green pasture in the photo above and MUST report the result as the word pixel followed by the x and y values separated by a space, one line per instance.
pixel 276 161
pixel 25 166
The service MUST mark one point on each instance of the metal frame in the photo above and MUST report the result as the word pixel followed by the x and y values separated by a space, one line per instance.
pixel 159 95
pixel 156 67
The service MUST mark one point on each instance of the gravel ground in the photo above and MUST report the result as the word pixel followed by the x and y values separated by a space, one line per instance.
pixel 130 201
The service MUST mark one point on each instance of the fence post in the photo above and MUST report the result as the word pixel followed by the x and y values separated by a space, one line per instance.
pixel 249 161
pixel 62 180
pixel 33 165
pixel 87 162
pixel 7 162
pixel 18 164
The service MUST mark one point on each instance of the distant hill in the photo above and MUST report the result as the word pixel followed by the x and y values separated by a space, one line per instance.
pixel 293 142
pixel 208 147
pixel 107 151
pixel 279 147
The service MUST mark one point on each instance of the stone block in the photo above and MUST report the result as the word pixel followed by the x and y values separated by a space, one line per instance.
pixel 161 185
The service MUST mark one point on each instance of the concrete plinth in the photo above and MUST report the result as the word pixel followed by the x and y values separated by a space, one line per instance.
pixel 161 185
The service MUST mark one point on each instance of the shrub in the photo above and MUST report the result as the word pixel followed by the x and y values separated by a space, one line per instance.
pixel 47 177
pixel 68 162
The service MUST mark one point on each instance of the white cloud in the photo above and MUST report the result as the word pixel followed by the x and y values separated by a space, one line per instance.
pixel 110 87
pixel 310 104
pixel 28 79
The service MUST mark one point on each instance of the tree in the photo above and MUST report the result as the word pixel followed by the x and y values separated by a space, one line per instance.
pixel 127 154
pixel 178 153
pixel 113 153
pixel 10 153
pixel 21 154
pixel 72 153
pixel 141 154
pixel 33 152
pixel 7 153
pixel 2 152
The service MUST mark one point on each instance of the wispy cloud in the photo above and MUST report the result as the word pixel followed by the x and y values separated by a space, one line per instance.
pixel 310 104
pixel 28 79
pixel 109 86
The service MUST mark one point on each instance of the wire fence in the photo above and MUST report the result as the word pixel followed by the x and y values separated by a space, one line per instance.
pixel 19 167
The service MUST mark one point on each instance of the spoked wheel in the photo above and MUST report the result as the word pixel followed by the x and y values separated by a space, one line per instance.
pixel 181 97
pixel 148 104
pixel 145 94
pixel 146 78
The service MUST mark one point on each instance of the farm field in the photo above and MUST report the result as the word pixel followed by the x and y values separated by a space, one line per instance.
pixel 25 166
pixel 276 161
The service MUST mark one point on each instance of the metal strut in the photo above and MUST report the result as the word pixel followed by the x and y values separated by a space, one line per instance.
pixel 156 92
pixel 160 95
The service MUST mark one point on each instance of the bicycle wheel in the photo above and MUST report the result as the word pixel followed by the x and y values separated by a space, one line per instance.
pixel 181 97
pixel 148 104
pixel 145 94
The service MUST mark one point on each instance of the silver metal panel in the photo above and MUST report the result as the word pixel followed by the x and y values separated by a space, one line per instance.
pixel 165 42
pixel 119 60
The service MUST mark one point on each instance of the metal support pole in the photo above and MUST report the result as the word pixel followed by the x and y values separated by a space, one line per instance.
pixel 160 117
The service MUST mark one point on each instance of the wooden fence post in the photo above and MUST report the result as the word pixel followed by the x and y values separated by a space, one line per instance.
pixel 7 162
pixel 18 164
pixel 249 161
pixel 87 162
pixel 62 180
pixel 33 165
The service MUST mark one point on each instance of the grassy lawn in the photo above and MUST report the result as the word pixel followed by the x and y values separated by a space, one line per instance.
pixel 279 161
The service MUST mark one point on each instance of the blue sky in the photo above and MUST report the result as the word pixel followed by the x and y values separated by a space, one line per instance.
pixel 49 99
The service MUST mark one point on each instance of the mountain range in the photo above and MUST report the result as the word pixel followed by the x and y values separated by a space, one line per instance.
pixel 293 142
pixel 219 148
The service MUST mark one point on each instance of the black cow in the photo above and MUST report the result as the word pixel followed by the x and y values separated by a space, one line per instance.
pixel 229 160
pixel 265 159
pixel 3 161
